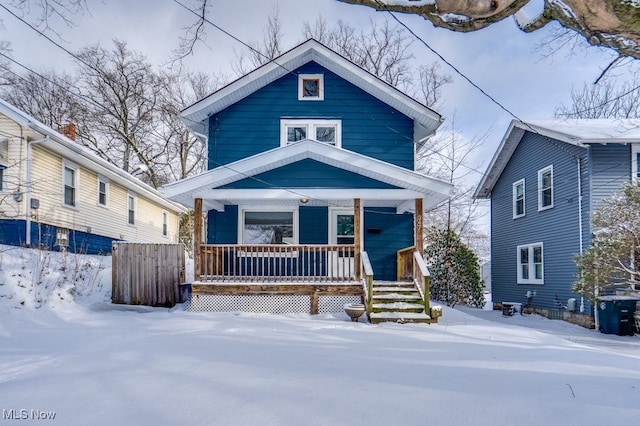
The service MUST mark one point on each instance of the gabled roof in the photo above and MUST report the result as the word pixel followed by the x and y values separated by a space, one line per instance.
pixel 62 145
pixel 578 132
pixel 409 184
pixel 196 116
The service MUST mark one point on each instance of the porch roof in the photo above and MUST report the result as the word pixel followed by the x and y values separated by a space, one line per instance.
pixel 409 185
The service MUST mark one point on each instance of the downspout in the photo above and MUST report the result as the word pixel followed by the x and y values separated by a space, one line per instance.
pixel 581 244
pixel 27 205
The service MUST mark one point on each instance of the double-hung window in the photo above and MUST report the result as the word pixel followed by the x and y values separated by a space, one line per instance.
pixel 70 185
pixel 530 264
pixel 165 224
pixel 131 209
pixel 2 185
pixel 545 188
pixel 325 131
pixel 103 190
pixel 518 199
pixel 268 227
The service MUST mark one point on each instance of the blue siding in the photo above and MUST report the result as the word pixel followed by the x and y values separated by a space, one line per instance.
pixel 12 232
pixel 222 227
pixel 309 173
pixel 252 125
pixel 610 168
pixel 556 228
pixel 386 232
pixel 314 222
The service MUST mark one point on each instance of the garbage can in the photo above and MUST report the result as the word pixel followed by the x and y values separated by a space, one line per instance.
pixel 616 314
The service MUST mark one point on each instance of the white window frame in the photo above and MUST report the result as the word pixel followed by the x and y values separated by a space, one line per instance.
pixel 515 199
pixel 106 191
pixel 243 209
pixel 131 196
pixel 302 78
pixel 3 186
pixel 76 184
pixel 311 125
pixel 541 172
pixel 635 150
pixel 531 269
pixel 165 223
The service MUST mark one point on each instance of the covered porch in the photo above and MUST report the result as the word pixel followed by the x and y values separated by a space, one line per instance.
pixel 308 220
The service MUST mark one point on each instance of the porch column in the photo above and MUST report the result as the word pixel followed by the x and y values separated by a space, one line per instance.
pixel 197 238
pixel 419 226
pixel 357 233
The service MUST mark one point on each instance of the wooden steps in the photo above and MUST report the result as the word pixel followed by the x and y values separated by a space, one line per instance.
pixel 397 302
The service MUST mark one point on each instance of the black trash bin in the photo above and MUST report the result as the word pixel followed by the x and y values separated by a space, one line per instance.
pixel 616 314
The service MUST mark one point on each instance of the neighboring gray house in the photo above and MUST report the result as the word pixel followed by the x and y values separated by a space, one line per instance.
pixel 543 182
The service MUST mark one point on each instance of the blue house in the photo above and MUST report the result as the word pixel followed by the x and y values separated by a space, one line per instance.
pixel 543 182
pixel 311 181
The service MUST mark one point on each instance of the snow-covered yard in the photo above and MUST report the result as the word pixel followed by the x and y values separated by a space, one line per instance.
pixel 90 362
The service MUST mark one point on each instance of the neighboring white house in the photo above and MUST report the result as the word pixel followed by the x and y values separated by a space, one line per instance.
pixel 56 194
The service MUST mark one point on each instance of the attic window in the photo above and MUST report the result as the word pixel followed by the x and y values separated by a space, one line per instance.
pixel 311 87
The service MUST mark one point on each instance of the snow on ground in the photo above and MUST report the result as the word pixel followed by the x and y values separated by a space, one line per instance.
pixel 90 362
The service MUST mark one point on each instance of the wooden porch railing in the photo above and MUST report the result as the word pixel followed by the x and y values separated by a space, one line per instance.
pixel 272 263
pixel 367 281
pixel 412 267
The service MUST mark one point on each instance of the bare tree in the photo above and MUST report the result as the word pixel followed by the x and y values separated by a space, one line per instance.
pixel 264 50
pixel 47 12
pixel 447 156
pixel 124 88
pixel 187 152
pixel 604 100
pixel 46 96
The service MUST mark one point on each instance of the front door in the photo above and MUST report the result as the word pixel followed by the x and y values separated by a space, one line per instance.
pixel 341 232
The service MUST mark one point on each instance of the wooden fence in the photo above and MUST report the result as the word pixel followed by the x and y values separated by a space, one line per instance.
pixel 147 274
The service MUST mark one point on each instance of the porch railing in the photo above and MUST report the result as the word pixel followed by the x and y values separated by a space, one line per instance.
pixel 272 263
pixel 412 267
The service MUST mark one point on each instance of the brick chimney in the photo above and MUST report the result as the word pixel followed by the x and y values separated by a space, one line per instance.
pixel 69 130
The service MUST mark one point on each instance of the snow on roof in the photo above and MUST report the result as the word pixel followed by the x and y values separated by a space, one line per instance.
pixel 590 130
pixel 579 132
pixel 62 145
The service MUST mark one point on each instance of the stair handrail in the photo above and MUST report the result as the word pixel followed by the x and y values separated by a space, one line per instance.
pixel 367 280
pixel 422 279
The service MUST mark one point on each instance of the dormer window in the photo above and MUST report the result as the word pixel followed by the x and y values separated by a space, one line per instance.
pixel 325 131
pixel 311 87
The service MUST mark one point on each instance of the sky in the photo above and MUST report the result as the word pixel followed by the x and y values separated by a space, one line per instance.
pixel 502 60
pixel 69 356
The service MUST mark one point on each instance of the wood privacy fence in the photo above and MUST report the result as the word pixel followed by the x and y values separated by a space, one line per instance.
pixel 147 274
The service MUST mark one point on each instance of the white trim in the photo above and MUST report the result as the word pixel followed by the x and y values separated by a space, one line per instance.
pixel 250 208
pixel 514 195
pixel 333 215
pixel 295 194
pixel 311 125
pixel 302 78
pixel 131 195
pixel 531 269
pixel 197 115
pixel 433 191
pixel 165 224
pixel 540 189
pixel 102 179
pixel 635 171
pixel 76 184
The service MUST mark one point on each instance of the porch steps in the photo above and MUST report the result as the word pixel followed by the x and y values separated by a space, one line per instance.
pixel 396 302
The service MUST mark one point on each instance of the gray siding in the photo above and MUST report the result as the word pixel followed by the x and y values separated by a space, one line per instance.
pixel 610 168
pixel 556 228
